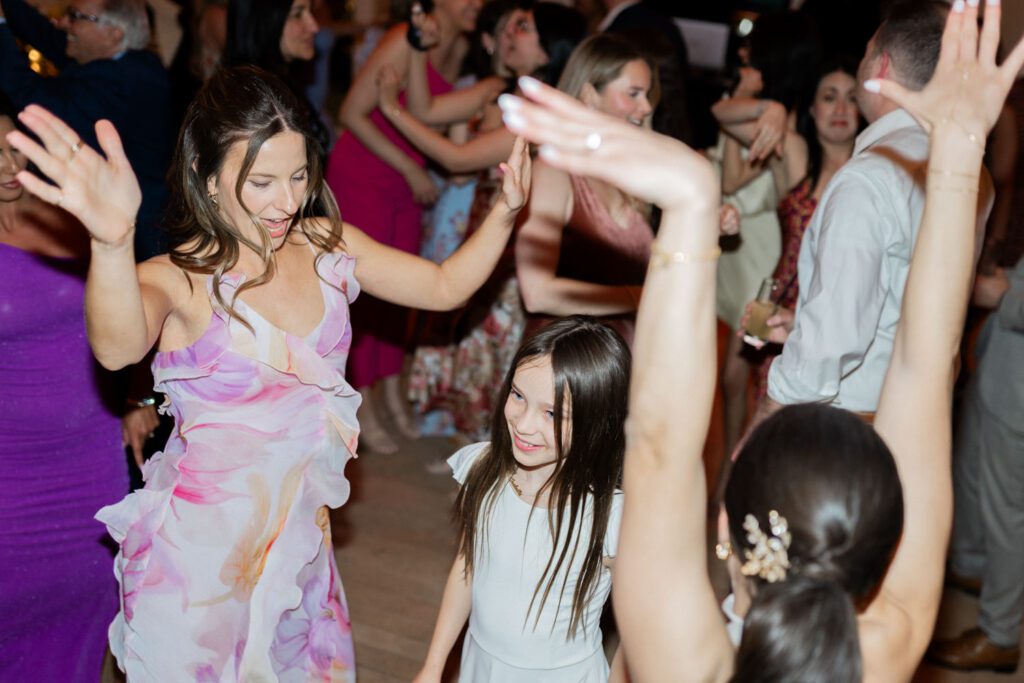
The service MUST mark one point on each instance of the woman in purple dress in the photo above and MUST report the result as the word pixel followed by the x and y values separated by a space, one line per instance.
pixel 60 445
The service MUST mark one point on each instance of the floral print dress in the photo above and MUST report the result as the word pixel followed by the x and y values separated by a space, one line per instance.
pixel 459 379
pixel 226 567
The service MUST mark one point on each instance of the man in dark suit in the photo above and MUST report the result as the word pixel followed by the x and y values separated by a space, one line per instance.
pixel 105 72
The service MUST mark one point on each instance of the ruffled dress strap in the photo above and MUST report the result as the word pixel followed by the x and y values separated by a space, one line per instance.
pixel 464 459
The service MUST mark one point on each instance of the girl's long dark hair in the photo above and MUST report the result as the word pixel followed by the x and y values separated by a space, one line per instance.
pixel 835 482
pixel 248 105
pixel 591 365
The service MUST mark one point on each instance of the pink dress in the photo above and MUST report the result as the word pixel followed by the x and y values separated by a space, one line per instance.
pixel 226 567
pixel 376 199
pixel 595 248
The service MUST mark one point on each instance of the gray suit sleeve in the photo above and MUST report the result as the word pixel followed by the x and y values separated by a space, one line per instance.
pixel 1011 307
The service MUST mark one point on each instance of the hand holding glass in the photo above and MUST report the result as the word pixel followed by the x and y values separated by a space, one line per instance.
pixel 760 310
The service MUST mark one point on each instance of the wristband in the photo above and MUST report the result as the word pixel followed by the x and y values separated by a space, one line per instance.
pixel 141 402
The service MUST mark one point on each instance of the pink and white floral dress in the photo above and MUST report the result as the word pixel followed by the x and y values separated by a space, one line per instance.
pixel 226 567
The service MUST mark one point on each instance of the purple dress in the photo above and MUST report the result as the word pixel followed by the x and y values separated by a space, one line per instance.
pixel 62 460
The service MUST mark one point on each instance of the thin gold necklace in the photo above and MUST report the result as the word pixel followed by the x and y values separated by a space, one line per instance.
pixel 515 486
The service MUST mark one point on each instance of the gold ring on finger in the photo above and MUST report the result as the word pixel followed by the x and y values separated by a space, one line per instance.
pixel 74 149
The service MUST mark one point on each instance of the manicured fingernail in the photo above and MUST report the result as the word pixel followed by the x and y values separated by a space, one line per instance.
pixel 510 103
pixel 992 3
pixel 513 119
pixel 547 152
pixel 872 86
pixel 973 3
pixel 529 85
pixel 958 5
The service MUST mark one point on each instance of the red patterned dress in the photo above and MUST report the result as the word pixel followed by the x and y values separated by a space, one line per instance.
pixel 795 211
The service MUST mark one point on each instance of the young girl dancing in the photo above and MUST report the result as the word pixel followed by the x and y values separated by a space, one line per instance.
pixel 538 515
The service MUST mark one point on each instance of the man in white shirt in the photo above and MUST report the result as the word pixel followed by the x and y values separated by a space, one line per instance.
pixel 856 252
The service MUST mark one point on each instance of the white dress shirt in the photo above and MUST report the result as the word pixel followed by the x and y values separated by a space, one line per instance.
pixel 852 268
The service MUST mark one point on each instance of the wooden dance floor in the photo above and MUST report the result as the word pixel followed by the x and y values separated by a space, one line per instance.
pixel 394 543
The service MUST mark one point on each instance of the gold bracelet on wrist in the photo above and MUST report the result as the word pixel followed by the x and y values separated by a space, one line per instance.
pixel 125 240
pixel 946 173
pixel 958 189
pixel 662 257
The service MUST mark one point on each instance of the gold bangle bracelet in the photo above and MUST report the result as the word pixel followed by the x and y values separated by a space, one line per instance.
pixel 945 173
pixel 662 257
pixel 961 189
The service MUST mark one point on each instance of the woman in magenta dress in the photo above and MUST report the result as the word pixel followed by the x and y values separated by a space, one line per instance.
pixel 829 125
pixel 60 445
pixel 381 186
pixel 226 567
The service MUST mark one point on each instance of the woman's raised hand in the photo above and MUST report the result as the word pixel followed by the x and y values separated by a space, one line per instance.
pixel 102 193
pixel 584 142
pixel 517 174
pixel 968 89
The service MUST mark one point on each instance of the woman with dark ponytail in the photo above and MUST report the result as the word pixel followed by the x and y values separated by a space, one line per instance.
pixel 837 493
pixel 836 531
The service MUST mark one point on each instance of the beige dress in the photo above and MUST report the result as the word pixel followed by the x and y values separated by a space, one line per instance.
pixel 750 257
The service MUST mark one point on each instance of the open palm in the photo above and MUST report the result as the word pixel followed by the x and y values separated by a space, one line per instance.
pixel 968 89
pixel 103 193
pixel 518 172
pixel 583 141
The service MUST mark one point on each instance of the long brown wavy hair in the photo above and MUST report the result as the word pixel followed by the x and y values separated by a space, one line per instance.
pixel 591 365
pixel 239 105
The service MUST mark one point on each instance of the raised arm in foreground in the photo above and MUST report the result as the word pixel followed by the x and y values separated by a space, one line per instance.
pixel 663 600
pixel 958 108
